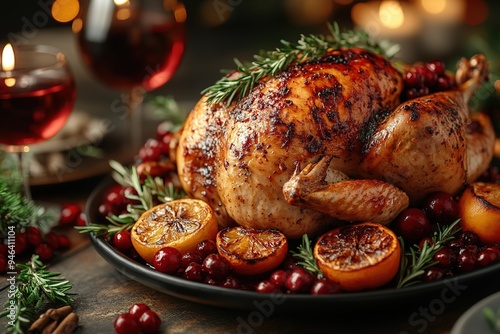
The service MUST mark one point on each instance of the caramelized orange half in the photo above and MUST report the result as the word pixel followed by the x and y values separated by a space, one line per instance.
pixel 479 210
pixel 251 251
pixel 359 257
pixel 181 224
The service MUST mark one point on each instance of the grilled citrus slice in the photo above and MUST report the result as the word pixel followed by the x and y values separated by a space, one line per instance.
pixel 181 224
pixel 359 257
pixel 251 251
pixel 479 210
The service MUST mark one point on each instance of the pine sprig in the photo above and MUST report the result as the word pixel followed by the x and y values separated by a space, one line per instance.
pixel 270 63
pixel 150 192
pixel 306 257
pixel 416 259
pixel 36 288
pixel 17 210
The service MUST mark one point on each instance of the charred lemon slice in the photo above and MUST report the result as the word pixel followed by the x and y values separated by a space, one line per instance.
pixel 359 257
pixel 181 224
pixel 479 210
pixel 250 251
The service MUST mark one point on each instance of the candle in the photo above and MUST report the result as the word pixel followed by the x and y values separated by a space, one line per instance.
pixel 441 25
pixel 37 94
pixel 390 20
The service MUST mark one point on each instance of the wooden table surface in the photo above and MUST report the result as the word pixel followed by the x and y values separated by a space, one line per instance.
pixel 103 293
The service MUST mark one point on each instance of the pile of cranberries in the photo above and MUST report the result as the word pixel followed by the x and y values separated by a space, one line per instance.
pixel 463 253
pixel 32 241
pixel 139 319
pixel 426 78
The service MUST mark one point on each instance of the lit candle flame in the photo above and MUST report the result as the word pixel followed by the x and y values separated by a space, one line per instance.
pixel 8 63
pixel 8 60
pixel 391 14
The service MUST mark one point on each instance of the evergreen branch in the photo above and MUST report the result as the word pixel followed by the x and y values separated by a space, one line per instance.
pixel 416 259
pixel 16 210
pixel 270 63
pixel 36 288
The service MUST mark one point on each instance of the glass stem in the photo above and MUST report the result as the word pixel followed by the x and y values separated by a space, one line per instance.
pixel 135 121
pixel 24 173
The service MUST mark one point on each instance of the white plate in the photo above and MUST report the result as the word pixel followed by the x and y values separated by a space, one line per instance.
pixel 473 320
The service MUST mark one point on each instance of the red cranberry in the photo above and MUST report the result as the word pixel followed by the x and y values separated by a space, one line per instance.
pixel 432 274
pixel 81 220
pixel 299 281
pixel 216 266
pixel 44 252
pixel 52 238
pixel 278 277
pixel 149 322
pixel 167 260
pixel 436 66
pixel 64 242
pixel 193 272
pixel 126 324
pixel 34 239
pixel 266 286
pixel 151 151
pixel 446 258
pixel 412 225
pixel 105 209
pixel 205 248
pixel 21 243
pixel 190 257
pixel 122 241
pixel 230 282
pixel 466 261
pixel 440 207
pixel 487 257
pixel 69 214
pixel 137 310
pixel 324 287
pixel 469 238
pixel 413 78
pixel 493 248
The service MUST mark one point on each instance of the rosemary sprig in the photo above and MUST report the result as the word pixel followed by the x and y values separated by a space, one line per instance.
pixel 306 257
pixel 149 193
pixel 36 287
pixel 307 48
pixel 416 259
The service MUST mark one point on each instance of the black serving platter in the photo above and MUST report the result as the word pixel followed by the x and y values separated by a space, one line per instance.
pixel 388 298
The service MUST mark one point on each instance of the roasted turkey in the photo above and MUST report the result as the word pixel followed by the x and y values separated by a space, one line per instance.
pixel 328 142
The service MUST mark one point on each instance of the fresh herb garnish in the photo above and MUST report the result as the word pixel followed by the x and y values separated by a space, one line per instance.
pixel 306 257
pixel 307 48
pixel 150 192
pixel 416 259
pixel 36 287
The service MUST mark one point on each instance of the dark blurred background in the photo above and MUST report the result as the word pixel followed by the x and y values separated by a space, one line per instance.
pixel 221 30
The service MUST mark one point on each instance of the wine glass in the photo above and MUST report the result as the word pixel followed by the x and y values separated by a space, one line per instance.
pixel 37 94
pixel 131 45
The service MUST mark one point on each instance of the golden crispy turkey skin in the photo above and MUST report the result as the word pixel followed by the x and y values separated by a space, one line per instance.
pixel 328 141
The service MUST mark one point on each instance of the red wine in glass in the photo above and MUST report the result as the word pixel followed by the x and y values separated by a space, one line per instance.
pixel 37 94
pixel 29 117
pixel 135 56
pixel 132 45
